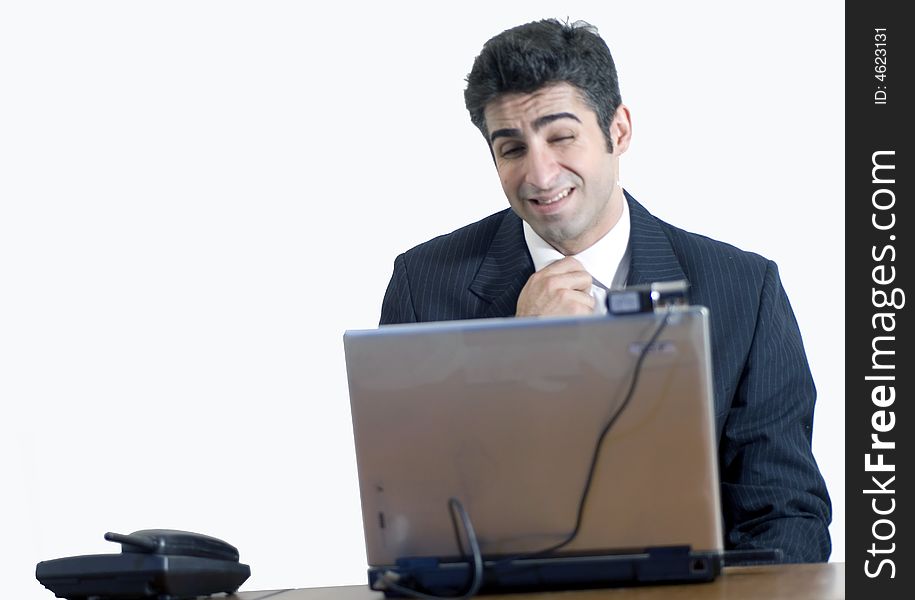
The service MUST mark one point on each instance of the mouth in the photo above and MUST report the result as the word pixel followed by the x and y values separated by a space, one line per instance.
pixel 549 203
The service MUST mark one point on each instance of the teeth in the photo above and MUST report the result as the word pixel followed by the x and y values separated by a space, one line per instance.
pixel 556 198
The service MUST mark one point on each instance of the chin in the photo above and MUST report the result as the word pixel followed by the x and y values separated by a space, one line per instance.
pixel 556 235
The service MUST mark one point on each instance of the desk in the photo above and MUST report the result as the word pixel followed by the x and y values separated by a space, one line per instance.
pixel 778 582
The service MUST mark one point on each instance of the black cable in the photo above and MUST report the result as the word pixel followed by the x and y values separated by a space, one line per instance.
pixel 457 533
pixel 390 578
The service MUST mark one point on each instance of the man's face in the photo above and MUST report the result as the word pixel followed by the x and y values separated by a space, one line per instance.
pixel 553 162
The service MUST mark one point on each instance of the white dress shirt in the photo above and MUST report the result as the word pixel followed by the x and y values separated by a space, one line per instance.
pixel 607 260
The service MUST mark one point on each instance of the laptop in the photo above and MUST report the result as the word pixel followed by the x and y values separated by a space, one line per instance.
pixel 505 416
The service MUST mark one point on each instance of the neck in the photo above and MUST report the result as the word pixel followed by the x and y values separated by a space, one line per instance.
pixel 601 227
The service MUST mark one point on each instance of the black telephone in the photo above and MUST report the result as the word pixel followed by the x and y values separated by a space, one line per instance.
pixel 165 564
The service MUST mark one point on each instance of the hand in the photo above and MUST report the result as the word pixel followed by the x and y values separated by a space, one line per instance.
pixel 562 288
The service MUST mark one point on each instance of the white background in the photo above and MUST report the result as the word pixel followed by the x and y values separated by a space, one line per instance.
pixel 198 198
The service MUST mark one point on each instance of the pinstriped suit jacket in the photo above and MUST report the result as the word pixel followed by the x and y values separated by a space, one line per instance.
pixel 773 495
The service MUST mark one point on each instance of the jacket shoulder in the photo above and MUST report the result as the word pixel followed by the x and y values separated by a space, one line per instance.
pixel 702 256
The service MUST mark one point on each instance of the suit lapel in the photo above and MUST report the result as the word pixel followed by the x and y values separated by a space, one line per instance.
pixel 651 257
pixel 504 270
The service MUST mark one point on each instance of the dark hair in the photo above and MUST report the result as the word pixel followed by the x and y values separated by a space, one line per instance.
pixel 528 57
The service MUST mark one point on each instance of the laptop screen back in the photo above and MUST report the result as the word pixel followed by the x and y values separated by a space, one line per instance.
pixel 504 414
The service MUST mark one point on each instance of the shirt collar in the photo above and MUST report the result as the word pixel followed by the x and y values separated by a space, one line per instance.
pixel 606 260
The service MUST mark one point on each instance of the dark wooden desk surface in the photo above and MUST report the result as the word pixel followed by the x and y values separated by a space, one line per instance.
pixel 780 582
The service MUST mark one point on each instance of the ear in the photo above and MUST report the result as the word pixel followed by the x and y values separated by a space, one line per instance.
pixel 621 129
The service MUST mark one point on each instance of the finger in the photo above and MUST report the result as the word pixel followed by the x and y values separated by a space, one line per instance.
pixel 568 264
pixel 537 299
pixel 576 300
pixel 573 280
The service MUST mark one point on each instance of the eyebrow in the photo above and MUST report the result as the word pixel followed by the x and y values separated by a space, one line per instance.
pixel 537 124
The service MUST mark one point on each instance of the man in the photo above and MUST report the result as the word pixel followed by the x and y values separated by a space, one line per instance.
pixel 546 98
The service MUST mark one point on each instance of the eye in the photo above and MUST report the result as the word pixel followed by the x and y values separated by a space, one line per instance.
pixel 511 150
pixel 560 139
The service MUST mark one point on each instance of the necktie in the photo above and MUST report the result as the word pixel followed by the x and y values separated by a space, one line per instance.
pixel 599 291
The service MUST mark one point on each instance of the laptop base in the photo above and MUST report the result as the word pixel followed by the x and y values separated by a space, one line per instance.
pixel 671 564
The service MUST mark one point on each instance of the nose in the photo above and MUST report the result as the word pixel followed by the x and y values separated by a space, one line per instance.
pixel 542 169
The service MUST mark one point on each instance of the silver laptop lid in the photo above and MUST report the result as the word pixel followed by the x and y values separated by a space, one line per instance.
pixel 504 415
